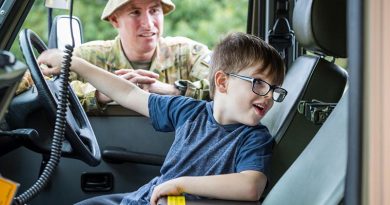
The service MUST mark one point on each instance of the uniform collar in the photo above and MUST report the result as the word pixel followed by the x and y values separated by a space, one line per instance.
pixel 161 60
pixel 117 52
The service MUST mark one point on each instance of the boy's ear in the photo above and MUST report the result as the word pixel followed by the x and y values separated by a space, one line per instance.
pixel 221 81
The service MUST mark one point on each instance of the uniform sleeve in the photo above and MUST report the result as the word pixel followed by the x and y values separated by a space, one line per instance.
pixel 94 52
pixel 84 90
pixel 168 112
pixel 199 57
pixel 255 152
pixel 106 55
pixel 25 83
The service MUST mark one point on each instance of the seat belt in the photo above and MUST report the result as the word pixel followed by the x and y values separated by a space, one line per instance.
pixel 282 37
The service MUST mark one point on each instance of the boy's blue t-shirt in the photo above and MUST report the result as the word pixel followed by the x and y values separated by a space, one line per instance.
pixel 202 146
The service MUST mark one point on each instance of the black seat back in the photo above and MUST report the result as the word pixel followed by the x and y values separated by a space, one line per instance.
pixel 310 78
pixel 318 175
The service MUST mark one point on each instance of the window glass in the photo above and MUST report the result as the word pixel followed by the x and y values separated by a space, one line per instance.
pixel 206 21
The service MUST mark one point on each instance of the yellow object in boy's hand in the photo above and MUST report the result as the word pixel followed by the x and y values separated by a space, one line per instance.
pixel 176 200
pixel 7 191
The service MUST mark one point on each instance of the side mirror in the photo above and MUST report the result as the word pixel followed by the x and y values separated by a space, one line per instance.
pixel 60 33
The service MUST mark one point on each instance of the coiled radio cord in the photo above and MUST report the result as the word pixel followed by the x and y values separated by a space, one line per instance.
pixel 58 135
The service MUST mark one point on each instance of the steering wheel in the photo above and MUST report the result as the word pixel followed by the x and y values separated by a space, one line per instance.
pixel 81 141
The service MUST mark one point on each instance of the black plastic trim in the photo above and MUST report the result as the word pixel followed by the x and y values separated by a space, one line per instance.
pixel 9 29
pixel 355 36
pixel 119 155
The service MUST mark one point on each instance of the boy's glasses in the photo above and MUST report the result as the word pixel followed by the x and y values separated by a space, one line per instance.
pixel 260 87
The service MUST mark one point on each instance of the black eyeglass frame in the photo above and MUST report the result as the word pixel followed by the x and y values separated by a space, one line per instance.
pixel 283 92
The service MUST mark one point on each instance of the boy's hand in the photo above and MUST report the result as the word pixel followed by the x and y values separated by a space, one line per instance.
pixel 145 73
pixel 168 188
pixel 53 59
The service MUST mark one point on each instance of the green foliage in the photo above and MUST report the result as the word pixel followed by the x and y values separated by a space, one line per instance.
pixel 205 21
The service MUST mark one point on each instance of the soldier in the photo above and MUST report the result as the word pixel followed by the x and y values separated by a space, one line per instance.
pixel 163 65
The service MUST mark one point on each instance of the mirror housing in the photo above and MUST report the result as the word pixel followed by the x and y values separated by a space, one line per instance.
pixel 60 33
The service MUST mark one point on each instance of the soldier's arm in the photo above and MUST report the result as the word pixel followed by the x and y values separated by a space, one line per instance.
pixel 200 69
pixel 27 81
pixel 87 93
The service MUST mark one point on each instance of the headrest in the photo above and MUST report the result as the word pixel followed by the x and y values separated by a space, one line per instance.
pixel 320 26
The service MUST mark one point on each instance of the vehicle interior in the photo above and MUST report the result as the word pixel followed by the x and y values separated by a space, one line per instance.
pixel 50 146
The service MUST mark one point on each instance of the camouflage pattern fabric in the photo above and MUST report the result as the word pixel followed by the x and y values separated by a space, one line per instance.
pixel 25 84
pixel 176 58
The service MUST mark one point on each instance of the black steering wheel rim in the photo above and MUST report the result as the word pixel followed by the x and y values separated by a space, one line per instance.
pixel 78 132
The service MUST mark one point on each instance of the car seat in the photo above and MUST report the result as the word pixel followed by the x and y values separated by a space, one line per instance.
pixel 318 175
pixel 314 84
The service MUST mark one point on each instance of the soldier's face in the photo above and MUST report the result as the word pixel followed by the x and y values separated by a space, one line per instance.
pixel 140 24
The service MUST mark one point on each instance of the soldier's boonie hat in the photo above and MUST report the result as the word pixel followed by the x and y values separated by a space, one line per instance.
pixel 113 5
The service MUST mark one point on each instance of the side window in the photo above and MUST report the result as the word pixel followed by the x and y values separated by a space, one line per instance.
pixel 206 21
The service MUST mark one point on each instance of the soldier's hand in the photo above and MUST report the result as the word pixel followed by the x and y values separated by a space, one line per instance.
pixel 147 80
pixel 141 72
pixel 141 81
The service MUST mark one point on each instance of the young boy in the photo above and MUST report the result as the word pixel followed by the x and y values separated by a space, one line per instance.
pixel 220 149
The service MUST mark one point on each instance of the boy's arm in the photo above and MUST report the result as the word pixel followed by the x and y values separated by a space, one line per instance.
pixel 243 186
pixel 122 91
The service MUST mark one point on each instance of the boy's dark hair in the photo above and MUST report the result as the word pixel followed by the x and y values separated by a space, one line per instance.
pixel 239 51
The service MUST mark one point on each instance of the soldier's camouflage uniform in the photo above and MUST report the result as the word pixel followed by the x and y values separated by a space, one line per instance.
pixel 176 58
